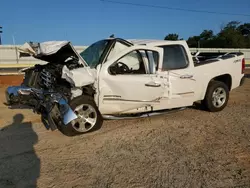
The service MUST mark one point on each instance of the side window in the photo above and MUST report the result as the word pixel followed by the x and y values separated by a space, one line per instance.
pixel 156 59
pixel 132 63
pixel 174 57
pixel 153 60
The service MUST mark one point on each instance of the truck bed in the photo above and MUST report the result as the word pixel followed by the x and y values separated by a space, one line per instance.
pixel 206 58
pixel 229 64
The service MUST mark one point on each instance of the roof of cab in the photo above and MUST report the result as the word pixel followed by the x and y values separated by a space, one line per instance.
pixel 152 42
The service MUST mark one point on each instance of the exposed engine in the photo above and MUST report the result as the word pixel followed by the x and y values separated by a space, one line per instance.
pixel 48 77
pixel 47 89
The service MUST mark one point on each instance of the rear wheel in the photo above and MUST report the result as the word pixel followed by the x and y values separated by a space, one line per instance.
pixel 89 118
pixel 217 96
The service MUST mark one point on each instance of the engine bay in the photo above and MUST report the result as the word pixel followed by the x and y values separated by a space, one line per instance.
pixel 65 71
pixel 49 76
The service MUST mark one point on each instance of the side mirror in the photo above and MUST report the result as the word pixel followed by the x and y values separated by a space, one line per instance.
pixel 112 70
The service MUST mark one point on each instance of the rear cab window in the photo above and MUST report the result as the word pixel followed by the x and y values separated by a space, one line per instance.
pixel 174 57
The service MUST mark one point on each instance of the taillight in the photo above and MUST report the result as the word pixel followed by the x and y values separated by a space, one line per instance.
pixel 243 65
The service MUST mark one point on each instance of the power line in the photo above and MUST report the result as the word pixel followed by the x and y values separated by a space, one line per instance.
pixel 173 8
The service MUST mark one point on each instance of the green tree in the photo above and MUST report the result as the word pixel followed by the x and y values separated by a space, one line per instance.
pixel 207 35
pixel 193 41
pixel 172 36
pixel 244 29
pixel 232 35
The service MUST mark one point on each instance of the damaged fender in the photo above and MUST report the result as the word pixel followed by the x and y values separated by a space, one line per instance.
pixel 79 77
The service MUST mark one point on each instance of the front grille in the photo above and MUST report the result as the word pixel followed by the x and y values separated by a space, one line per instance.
pixel 47 78
pixel 39 79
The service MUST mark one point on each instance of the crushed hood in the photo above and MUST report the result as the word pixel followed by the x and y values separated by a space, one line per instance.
pixel 50 51
pixel 58 52
pixel 42 49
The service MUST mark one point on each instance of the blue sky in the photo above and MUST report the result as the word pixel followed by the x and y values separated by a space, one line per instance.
pixel 86 21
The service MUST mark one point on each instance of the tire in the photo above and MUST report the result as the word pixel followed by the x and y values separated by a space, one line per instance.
pixel 75 128
pixel 214 95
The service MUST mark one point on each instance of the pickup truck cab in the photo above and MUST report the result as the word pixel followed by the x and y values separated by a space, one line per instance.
pixel 138 78
pixel 151 75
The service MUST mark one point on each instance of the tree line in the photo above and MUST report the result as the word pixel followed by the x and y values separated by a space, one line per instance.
pixel 233 35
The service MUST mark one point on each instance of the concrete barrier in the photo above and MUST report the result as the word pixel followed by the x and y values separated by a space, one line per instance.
pixel 9 56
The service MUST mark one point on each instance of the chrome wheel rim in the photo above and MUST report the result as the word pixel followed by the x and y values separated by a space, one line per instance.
pixel 86 118
pixel 219 97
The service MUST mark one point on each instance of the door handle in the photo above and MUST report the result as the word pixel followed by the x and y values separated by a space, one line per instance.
pixel 152 84
pixel 186 76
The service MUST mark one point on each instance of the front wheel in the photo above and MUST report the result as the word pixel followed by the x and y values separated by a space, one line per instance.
pixel 89 118
pixel 217 96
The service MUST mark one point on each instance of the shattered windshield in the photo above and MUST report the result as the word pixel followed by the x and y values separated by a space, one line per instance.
pixel 93 53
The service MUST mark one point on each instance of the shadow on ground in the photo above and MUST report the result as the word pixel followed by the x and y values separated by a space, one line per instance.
pixel 19 164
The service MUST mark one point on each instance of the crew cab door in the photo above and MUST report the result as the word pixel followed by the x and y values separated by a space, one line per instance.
pixel 129 81
pixel 177 65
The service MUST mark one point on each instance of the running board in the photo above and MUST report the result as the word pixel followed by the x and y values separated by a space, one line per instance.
pixel 141 115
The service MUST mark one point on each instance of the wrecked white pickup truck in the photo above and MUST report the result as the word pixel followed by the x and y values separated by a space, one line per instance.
pixel 116 78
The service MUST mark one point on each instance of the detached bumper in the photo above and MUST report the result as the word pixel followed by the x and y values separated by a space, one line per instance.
pixel 13 93
pixel 16 95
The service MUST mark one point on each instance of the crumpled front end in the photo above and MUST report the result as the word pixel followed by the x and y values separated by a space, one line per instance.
pixel 48 88
pixel 53 107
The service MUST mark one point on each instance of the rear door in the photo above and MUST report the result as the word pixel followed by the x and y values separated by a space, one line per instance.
pixel 129 81
pixel 178 66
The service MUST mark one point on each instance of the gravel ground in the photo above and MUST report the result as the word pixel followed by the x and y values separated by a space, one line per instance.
pixel 190 148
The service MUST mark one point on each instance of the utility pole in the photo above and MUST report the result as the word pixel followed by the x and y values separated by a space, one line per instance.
pixel 14 43
pixel 1 31
pixel 199 45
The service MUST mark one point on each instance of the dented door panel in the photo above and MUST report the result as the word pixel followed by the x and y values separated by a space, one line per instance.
pixel 125 92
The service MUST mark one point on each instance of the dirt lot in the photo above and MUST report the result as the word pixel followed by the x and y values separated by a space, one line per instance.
pixel 190 148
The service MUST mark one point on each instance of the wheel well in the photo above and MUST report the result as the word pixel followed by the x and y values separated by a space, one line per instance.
pixel 88 90
pixel 226 79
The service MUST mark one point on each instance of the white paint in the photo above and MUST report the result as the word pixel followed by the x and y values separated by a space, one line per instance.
pixel 154 90
pixel 79 77
pixel 131 88
pixel 178 88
